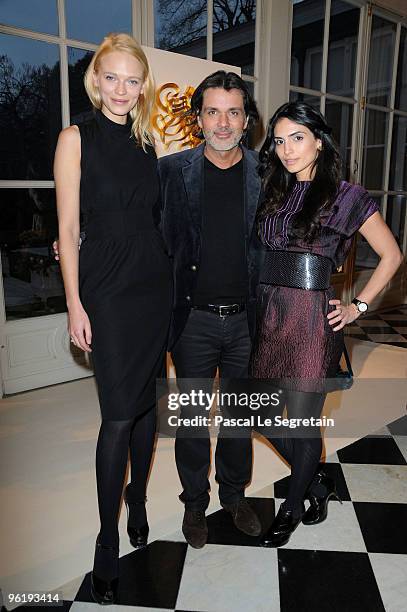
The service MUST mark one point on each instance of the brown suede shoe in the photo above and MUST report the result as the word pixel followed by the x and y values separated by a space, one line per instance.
pixel 195 528
pixel 244 517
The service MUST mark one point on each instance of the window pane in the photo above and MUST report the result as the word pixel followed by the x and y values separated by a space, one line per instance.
pixel 374 149
pixel 398 160
pixel 339 117
pixel 92 20
pixel 381 55
pixel 343 47
pixel 401 86
pixel 30 107
pixel 37 15
pixel 396 217
pixel 31 277
pixel 181 26
pixel 307 41
pixel 234 24
pixel 78 61
pixel 365 255
pixel 314 101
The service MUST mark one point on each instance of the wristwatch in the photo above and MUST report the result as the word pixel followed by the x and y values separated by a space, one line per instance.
pixel 361 306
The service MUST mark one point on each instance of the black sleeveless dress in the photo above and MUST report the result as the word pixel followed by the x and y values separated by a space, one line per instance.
pixel 125 276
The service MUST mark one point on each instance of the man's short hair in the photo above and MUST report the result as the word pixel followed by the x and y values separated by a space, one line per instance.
pixel 225 80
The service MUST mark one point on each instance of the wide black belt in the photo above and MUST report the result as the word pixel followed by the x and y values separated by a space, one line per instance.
pixel 298 270
pixel 223 310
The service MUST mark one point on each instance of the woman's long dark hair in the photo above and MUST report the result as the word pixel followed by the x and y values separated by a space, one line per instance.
pixel 278 182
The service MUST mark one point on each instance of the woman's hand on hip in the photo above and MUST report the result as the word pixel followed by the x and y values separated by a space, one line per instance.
pixel 79 328
pixel 342 315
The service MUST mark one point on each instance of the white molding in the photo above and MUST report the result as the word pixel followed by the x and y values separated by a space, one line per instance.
pixel 325 48
pixel 273 55
pixel 21 184
pixel 209 30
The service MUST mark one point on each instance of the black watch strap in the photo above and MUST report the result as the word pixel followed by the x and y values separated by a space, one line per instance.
pixel 361 306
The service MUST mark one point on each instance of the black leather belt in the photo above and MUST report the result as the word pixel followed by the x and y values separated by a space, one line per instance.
pixel 221 310
pixel 298 270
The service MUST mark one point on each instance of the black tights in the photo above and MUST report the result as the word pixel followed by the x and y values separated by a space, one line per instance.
pixel 302 453
pixel 115 439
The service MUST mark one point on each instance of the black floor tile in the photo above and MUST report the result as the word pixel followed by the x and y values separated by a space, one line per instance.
pixel 398 427
pixel 333 470
pixel 393 312
pixel 223 531
pixel 148 577
pixel 64 607
pixel 379 330
pixel 358 336
pixel 383 526
pixel 397 323
pixel 372 450
pixel 327 581
pixel 400 344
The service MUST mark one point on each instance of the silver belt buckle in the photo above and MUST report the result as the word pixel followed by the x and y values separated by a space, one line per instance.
pixel 220 311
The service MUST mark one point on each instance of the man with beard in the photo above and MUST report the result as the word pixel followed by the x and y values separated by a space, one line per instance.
pixel 210 196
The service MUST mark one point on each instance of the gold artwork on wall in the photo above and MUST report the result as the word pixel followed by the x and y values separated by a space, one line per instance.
pixel 171 119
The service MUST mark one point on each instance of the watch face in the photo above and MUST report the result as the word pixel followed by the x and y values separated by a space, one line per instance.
pixel 362 306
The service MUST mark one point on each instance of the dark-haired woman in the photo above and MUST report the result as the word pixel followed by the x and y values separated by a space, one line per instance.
pixel 306 222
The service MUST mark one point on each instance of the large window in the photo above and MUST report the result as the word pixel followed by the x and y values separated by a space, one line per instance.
pixel 220 30
pixel 37 99
pixel 324 51
pixel 384 124
pixel 335 42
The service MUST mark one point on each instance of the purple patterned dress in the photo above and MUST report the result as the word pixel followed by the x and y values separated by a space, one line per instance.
pixel 293 337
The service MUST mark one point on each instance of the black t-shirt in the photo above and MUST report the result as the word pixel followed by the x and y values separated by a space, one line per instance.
pixel 222 275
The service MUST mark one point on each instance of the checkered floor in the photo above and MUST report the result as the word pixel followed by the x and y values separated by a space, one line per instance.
pixel 355 560
pixel 387 327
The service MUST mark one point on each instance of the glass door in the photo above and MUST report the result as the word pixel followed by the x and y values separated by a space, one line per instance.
pixel 347 60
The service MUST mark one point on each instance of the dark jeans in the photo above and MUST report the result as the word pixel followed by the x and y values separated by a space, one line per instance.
pixel 209 342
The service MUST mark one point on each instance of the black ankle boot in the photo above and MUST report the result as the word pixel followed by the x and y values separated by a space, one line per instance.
pixel 281 528
pixel 318 510
pixel 104 590
pixel 138 535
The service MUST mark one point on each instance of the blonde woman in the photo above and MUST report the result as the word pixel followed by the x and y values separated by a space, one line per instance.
pixel 118 288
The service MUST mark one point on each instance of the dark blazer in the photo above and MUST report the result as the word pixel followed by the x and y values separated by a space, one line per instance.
pixel 181 179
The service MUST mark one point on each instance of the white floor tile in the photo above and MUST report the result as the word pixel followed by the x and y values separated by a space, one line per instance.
pixel 340 531
pixel 383 432
pixel 376 483
pixel 402 444
pixel 230 578
pixel 391 576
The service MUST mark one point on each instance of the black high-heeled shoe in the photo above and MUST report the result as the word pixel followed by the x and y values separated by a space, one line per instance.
pixel 281 528
pixel 318 509
pixel 104 592
pixel 138 535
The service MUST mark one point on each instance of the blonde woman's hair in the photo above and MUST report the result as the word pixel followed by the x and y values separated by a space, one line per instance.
pixel 141 113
